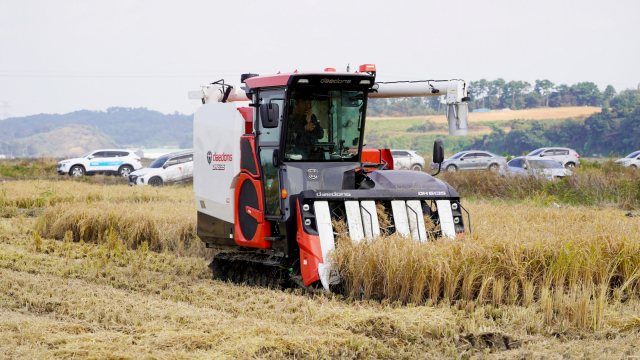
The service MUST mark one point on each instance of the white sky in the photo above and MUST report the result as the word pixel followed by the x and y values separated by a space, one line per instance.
pixel 63 56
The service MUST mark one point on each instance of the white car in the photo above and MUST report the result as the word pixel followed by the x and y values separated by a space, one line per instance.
pixel 105 161
pixel 566 157
pixel 524 166
pixel 632 160
pixel 174 167
pixel 407 159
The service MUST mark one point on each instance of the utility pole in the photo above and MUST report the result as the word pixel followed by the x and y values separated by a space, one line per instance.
pixel 5 110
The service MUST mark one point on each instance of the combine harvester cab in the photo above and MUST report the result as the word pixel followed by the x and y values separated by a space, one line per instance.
pixel 272 179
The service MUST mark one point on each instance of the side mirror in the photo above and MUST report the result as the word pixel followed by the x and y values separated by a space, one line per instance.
pixel 541 155
pixel 90 157
pixel 438 151
pixel 165 166
pixel 275 160
pixel 269 115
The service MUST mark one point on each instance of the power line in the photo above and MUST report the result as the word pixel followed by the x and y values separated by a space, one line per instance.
pixel 114 76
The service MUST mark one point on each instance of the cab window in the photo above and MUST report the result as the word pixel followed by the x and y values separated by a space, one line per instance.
pixel 271 136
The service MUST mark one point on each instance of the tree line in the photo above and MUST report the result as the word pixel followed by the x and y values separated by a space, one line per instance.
pixel 514 95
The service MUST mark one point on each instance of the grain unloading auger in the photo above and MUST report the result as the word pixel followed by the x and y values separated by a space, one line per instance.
pixel 269 191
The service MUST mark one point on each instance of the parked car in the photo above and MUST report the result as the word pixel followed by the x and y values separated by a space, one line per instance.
pixel 472 160
pixel 105 161
pixel 175 167
pixel 545 168
pixel 632 160
pixel 566 157
pixel 407 159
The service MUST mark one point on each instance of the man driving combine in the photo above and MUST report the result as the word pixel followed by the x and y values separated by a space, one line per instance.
pixel 307 128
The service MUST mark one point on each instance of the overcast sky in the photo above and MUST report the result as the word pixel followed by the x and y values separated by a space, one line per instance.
pixel 63 56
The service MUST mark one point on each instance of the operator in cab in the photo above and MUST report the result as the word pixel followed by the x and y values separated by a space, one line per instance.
pixel 308 130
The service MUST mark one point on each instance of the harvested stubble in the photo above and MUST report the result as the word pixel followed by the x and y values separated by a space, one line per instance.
pixel 604 186
pixel 60 299
pixel 162 225
pixel 35 193
pixel 568 261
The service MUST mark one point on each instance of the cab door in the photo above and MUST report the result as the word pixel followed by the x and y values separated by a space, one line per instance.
pixel 268 141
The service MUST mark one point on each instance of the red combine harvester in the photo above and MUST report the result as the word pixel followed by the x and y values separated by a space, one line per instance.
pixel 269 178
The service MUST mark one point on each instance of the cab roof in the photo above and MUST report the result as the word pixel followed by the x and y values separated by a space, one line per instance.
pixel 286 78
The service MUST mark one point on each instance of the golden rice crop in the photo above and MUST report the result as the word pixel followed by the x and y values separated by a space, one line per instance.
pixel 34 193
pixel 518 254
pixel 162 225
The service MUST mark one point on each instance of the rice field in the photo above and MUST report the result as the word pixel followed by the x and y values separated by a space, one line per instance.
pixel 110 271
pixel 525 114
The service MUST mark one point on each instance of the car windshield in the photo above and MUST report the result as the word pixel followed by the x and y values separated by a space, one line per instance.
pixel 159 162
pixel 633 154
pixel 456 156
pixel 324 125
pixel 545 164
pixel 535 152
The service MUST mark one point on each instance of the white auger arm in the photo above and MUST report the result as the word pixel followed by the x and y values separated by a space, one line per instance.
pixel 215 93
pixel 457 96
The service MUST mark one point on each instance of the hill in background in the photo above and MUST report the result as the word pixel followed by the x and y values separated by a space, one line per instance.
pixel 69 141
pixel 46 134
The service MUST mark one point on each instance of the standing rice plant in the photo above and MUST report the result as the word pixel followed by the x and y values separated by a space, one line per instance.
pixel 566 260
pixel 163 226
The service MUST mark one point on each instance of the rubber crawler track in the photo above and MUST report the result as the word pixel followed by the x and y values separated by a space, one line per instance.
pixel 251 273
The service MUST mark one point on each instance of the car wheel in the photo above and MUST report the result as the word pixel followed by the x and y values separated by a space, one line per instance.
pixel 634 166
pixel 125 170
pixel 76 171
pixel 155 181
pixel 452 168
pixel 570 165
pixel 494 167
pixel 416 167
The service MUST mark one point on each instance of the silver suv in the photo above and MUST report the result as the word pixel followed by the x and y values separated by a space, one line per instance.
pixel 632 160
pixel 568 158
pixel 473 160
pixel 407 159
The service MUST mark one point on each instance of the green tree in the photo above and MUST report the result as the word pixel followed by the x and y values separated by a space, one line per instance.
pixel 544 88
pixel 495 89
pixel 532 100
pixel 586 93
pixel 609 92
